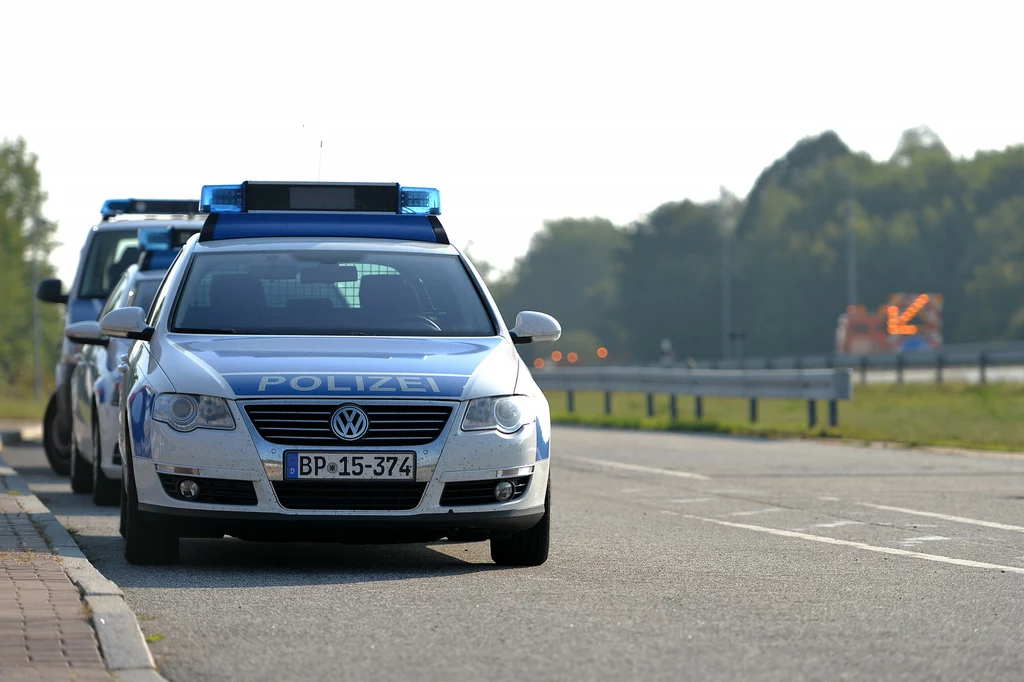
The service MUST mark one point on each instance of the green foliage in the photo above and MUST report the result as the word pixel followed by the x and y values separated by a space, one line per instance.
pixel 922 221
pixel 22 225
pixel 570 271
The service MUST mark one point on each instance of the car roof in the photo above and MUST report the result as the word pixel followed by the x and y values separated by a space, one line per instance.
pixel 135 223
pixel 323 244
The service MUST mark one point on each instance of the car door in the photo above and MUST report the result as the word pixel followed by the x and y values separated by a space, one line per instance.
pixel 92 365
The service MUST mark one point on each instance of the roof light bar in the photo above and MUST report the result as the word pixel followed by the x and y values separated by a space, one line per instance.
pixel 116 207
pixel 164 238
pixel 322 197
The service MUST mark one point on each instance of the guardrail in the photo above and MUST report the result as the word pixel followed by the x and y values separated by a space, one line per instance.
pixel 938 361
pixel 831 385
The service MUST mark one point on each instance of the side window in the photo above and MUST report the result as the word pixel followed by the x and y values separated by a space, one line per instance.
pixel 114 298
pixel 161 293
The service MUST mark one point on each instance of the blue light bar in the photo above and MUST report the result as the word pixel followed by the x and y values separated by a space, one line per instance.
pixel 323 197
pixel 420 200
pixel 116 207
pixel 164 238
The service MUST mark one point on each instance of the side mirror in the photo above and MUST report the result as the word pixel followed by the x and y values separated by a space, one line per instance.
pixel 51 290
pixel 87 332
pixel 126 323
pixel 534 327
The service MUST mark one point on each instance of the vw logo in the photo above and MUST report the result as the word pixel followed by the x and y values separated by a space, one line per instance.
pixel 349 422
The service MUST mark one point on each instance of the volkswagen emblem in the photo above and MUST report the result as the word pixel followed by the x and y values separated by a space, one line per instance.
pixel 349 422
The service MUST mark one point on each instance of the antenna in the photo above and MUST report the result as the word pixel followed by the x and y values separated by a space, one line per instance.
pixel 320 162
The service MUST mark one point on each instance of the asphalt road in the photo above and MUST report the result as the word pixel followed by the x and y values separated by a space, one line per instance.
pixel 675 557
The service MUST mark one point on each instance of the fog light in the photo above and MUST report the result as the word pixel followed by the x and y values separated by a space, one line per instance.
pixel 503 491
pixel 189 489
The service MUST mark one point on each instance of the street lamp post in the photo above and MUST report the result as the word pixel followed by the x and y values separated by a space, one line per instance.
pixel 727 219
pixel 36 331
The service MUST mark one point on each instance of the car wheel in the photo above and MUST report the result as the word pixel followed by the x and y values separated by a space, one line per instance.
pixel 81 471
pixel 105 491
pixel 56 440
pixel 525 547
pixel 144 544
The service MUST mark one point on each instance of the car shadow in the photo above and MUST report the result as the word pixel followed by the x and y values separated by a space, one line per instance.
pixel 233 563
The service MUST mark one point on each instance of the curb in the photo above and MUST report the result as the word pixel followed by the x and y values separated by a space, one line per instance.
pixel 125 652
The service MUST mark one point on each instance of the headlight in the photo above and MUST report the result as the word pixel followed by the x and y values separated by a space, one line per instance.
pixel 507 414
pixel 185 412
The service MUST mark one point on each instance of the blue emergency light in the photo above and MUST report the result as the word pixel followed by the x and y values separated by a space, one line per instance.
pixel 160 245
pixel 321 209
pixel 116 207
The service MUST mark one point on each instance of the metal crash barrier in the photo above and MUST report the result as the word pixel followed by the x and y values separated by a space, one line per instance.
pixel 831 385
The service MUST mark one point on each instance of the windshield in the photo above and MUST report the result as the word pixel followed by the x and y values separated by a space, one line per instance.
pixel 145 290
pixel 110 254
pixel 330 293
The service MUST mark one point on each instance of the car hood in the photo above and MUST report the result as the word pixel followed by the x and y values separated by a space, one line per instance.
pixel 338 367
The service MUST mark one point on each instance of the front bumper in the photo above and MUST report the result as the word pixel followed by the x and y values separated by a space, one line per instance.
pixel 357 529
pixel 240 455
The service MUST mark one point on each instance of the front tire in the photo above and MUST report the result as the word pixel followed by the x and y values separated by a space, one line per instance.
pixel 105 491
pixel 56 441
pixel 144 544
pixel 81 471
pixel 526 547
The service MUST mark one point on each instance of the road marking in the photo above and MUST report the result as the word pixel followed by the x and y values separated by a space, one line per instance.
pixel 828 498
pixel 755 511
pixel 638 467
pixel 859 545
pixel 688 500
pixel 670 513
pixel 946 517
pixel 837 524
pixel 914 542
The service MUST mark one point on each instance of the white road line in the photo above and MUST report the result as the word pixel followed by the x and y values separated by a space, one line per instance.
pixel 946 517
pixel 638 467
pixel 828 498
pixel 837 524
pixel 860 545
pixel 688 500
pixel 755 511
pixel 914 542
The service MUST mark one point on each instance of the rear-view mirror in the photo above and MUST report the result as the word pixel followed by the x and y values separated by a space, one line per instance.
pixel 87 332
pixel 534 327
pixel 51 290
pixel 126 323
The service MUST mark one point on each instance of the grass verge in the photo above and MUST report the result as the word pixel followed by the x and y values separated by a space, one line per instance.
pixel 989 417
pixel 22 407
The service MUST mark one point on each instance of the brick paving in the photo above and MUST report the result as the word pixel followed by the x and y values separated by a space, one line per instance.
pixel 45 633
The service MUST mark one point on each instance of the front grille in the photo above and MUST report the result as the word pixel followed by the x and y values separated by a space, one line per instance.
pixel 463 493
pixel 211 490
pixel 310 424
pixel 350 495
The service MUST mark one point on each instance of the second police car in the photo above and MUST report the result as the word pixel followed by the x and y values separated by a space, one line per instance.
pixel 95 381
pixel 320 363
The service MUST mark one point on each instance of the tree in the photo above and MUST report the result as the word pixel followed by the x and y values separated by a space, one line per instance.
pixel 568 272
pixel 24 235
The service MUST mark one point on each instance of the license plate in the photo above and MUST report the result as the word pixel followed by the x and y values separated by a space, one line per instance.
pixel 350 466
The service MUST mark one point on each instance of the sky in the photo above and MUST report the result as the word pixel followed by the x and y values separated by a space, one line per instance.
pixel 517 112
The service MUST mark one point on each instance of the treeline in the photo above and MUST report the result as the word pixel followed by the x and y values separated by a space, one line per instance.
pixel 922 221
pixel 25 236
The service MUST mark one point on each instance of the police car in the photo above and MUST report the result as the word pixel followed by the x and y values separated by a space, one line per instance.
pixel 95 381
pixel 320 363
pixel 109 248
